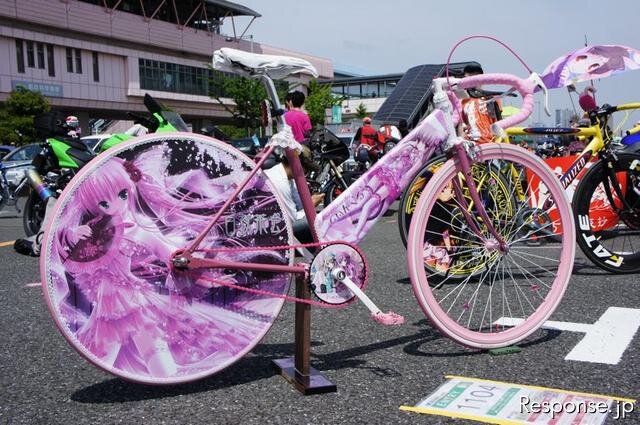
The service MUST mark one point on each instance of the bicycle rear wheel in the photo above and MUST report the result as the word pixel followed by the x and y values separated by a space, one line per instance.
pixel 108 281
pixel 609 235
pixel 520 284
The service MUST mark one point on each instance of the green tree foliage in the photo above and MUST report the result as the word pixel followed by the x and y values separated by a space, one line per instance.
pixel 17 114
pixel 319 99
pixel 361 111
pixel 247 94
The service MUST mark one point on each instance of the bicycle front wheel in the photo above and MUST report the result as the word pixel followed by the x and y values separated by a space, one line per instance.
pixel 524 276
pixel 607 211
pixel 106 259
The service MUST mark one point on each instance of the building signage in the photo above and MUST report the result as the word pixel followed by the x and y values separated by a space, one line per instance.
pixel 336 114
pixel 51 90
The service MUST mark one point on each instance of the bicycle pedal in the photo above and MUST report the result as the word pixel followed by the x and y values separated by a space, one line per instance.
pixel 388 319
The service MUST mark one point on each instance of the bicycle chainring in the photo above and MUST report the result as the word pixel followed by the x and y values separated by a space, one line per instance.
pixel 337 255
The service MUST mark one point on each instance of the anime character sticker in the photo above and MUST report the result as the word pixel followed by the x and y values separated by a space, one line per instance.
pixel 110 277
pixel 324 285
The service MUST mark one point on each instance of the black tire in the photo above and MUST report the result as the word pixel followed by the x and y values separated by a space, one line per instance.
pixel 33 214
pixel 411 194
pixel 333 188
pixel 613 242
pixel 3 200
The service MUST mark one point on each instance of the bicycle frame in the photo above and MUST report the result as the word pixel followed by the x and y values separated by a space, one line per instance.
pixel 595 146
pixel 367 199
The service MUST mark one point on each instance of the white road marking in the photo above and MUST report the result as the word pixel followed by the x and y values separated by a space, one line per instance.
pixel 605 341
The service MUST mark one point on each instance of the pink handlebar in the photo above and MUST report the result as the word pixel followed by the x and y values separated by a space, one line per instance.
pixel 524 87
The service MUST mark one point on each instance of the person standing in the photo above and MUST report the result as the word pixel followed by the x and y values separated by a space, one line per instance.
pixel 295 117
pixel 368 136
pixel 480 111
pixel 300 124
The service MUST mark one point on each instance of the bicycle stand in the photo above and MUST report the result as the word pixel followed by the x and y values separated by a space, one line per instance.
pixel 297 370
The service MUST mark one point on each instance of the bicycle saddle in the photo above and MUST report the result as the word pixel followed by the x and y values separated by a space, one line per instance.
pixel 248 64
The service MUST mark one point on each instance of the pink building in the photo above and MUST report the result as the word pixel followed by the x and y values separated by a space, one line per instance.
pixel 97 58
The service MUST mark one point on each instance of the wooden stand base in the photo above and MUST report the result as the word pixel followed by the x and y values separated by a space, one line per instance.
pixel 297 370
pixel 312 383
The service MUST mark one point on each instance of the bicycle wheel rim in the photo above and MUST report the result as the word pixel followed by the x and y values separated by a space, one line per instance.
pixel 492 188
pixel 610 239
pixel 497 336
pixel 197 331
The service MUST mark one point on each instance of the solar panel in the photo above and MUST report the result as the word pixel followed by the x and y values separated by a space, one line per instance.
pixel 410 99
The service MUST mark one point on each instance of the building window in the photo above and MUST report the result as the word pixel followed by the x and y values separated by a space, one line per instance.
pixel 31 61
pixel 78 61
pixel 69 59
pixel 71 55
pixel 50 61
pixel 20 55
pixel 171 77
pixel 96 67
pixel 40 52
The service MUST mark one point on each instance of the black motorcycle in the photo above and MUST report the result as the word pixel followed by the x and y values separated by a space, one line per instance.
pixel 329 153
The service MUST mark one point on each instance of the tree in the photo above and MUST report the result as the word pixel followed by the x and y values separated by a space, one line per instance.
pixel 17 114
pixel 361 111
pixel 319 99
pixel 246 93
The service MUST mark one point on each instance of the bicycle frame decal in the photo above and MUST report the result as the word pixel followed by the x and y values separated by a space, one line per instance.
pixel 358 208
pixel 117 297
pixel 550 130
pixel 575 168
pixel 585 231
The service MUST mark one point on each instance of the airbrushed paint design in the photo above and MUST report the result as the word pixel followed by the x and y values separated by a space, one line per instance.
pixel 358 208
pixel 108 278
pixel 589 63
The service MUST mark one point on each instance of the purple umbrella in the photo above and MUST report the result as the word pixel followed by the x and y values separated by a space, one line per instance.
pixel 590 63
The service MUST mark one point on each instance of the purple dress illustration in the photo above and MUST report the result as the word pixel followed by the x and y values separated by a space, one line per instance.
pixel 109 280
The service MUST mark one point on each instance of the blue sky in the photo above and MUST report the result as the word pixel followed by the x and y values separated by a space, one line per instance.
pixel 387 37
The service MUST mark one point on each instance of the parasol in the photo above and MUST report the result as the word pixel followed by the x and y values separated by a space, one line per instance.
pixel 590 63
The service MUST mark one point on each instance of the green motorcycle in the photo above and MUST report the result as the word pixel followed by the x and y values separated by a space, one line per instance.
pixel 62 156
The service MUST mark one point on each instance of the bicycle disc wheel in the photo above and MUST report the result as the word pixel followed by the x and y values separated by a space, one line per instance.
pixel 609 235
pixel 522 280
pixel 495 192
pixel 106 270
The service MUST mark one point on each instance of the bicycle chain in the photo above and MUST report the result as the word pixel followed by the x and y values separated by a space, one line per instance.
pixel 268 293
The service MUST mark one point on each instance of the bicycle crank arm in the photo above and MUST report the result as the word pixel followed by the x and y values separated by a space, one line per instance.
pixel 389 318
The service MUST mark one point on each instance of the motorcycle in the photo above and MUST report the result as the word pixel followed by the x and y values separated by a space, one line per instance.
pixel 62 156
pixel 329 153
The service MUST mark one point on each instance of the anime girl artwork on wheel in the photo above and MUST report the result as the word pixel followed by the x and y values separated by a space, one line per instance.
pixel 131 310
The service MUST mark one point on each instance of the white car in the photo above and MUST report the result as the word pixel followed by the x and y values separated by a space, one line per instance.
pixel 19 160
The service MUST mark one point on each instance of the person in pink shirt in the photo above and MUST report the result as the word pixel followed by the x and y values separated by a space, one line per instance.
pixel 300 125
pixel 295 117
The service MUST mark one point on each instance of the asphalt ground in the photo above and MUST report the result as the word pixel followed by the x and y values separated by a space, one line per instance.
pixel 376 369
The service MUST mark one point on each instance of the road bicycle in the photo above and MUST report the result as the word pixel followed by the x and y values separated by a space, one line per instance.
pixel 606 201
pixel 169 257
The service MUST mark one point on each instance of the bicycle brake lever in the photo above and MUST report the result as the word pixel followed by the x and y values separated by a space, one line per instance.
pixel 535 78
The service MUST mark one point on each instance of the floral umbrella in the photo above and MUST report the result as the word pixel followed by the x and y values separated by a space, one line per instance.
pixel 590 63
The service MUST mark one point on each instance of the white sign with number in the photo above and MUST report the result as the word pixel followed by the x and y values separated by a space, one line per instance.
pixel 504 403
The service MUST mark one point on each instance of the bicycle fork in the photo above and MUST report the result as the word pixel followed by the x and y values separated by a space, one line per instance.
pixel 464 165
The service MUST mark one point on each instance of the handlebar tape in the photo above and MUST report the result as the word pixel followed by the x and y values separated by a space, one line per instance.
pixel 524 87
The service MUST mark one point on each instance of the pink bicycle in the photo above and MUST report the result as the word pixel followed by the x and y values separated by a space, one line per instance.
pixel 169 257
